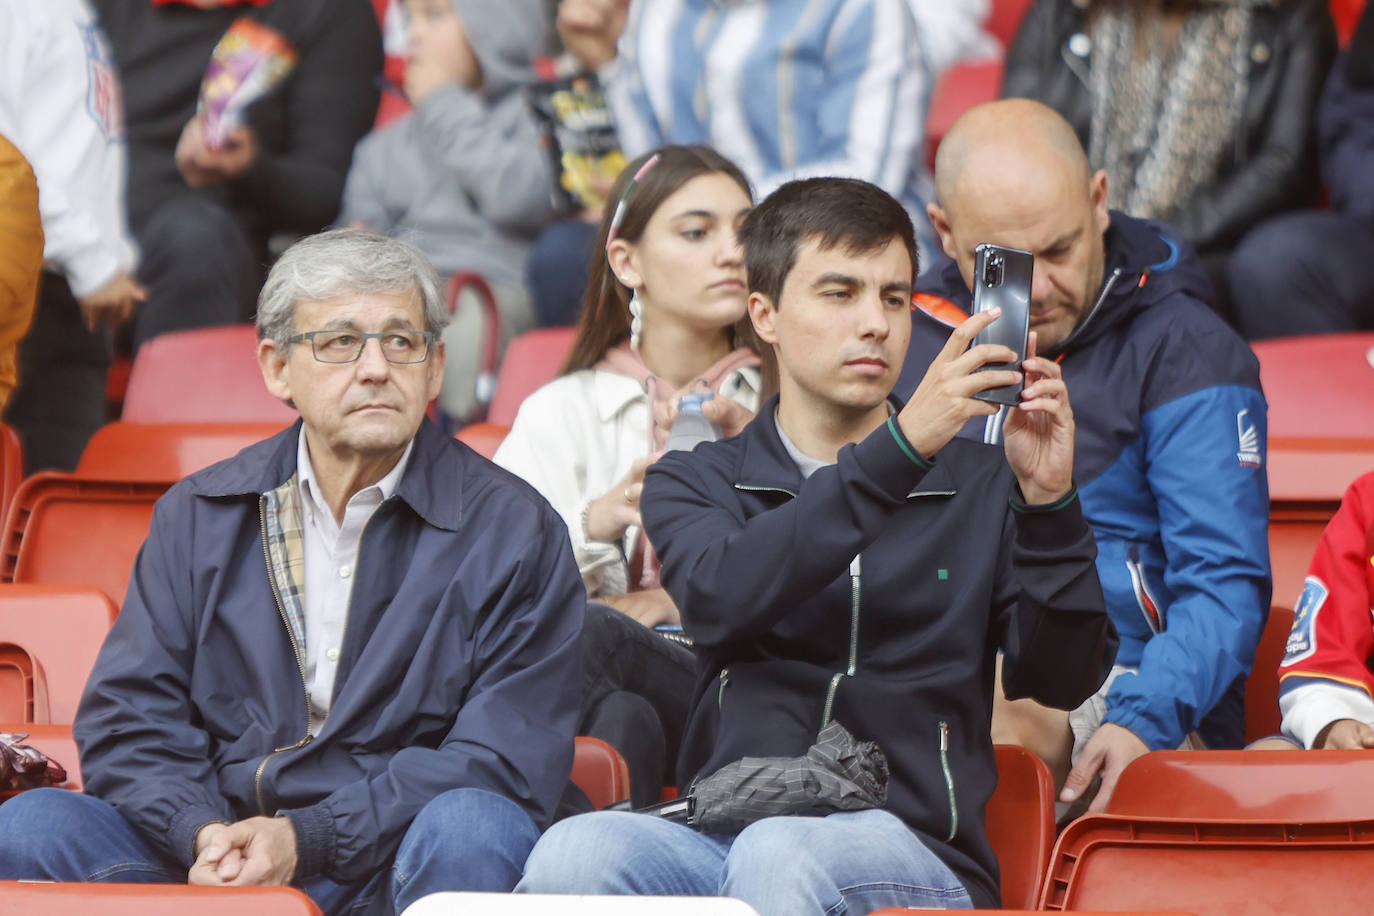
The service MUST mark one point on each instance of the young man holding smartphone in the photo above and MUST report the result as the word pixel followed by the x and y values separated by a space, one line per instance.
pixel 846 559
pixel 1169 444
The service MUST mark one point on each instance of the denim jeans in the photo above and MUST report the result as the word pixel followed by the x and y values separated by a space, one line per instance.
pixel 853 862
pixel 465 839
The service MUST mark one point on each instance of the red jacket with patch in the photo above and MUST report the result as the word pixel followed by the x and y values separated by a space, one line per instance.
pixel 1325 674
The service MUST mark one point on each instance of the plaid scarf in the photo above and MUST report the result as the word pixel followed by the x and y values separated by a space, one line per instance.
pixel 1164 119
pixel 285 533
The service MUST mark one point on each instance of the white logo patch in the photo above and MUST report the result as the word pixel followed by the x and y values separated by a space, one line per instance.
pixel 1248 453
pixel 1302 639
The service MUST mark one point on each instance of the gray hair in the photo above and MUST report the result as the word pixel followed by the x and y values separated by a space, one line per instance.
pixel 342 262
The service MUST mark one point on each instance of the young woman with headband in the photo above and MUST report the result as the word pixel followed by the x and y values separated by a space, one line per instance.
pixel 664 314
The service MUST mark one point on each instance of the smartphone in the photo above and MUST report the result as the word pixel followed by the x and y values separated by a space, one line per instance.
pixel 1002 279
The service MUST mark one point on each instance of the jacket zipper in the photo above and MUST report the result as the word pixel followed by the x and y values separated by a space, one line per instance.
pixel 854 583
pixel 949 781
pixel 1092 312
pixel 300 663
pixel 724 677
pixel 753 489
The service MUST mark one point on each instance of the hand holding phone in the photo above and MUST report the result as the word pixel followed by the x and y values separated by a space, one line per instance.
pixel 1002 279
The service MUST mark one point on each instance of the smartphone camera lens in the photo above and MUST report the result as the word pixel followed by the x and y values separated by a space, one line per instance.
pixel 992 271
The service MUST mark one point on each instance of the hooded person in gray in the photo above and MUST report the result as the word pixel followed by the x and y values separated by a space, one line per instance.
pixel 463 176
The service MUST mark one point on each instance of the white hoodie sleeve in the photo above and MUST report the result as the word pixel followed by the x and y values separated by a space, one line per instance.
pixel 60 105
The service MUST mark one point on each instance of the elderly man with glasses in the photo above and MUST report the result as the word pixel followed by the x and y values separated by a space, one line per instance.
pixel 348 657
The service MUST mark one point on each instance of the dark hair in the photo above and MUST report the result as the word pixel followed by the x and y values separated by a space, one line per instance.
pixel 846 212
pixel 605 320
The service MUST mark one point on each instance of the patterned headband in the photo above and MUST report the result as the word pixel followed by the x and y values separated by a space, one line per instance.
pixel 619 216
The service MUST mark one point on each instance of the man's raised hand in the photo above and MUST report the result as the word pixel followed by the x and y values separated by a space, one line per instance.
pixel 1038 434
pixel 944 401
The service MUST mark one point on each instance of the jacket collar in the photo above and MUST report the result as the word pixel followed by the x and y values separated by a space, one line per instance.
pixel 613 392
pixel 764 464
pixel 432 485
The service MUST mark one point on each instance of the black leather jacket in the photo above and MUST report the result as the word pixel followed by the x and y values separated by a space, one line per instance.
pixel 1273 165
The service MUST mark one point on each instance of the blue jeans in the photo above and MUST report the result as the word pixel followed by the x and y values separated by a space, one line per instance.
pixel 851 862
pixel 465 839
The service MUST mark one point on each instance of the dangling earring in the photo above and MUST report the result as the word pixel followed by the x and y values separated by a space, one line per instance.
pixel 636 320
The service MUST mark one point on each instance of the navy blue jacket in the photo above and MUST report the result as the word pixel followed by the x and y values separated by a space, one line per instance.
pixel 1169 458
pixel 459 668
pixel 877 592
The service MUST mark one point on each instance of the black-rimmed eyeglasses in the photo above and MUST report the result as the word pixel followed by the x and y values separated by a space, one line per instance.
pixel 343 346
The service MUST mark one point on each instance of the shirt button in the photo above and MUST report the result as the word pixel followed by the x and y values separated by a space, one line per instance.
pixel 332 655
pixel 345 571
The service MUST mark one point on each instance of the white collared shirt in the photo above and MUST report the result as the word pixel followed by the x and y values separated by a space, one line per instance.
pixel 574 438
pixel 331 559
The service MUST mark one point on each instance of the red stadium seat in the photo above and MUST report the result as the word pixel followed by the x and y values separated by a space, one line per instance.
pixel 48 899
pixel 60 630
pixel 489 355
pixel 1294 529
pixel 1005 18
pixel 1320 390
pixel 1211 867
pixel 1248 785
pixel 962 86
pixel 532 359
pixel 209 375
pixel 66 530
pixel 600 771
pixel 1020 823
pixel 483 438
pixel 11 467
pixel 1262 717
pixel 165 451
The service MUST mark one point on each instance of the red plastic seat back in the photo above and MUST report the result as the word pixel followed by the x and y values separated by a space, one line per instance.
pixel 1294 529
pixel 1005 18
pixel 1262 717
pixel 62 629
pixel 66 530
pixel 21 684
pixel 11 467
pixel 532 359
pixel 483 438
pixel 72 899
pixel 1020 823
pixel 600 771
pixel 166 451
pixel 1211 866
pixel 209 375
pixel 1248 785
pixel 1318 385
